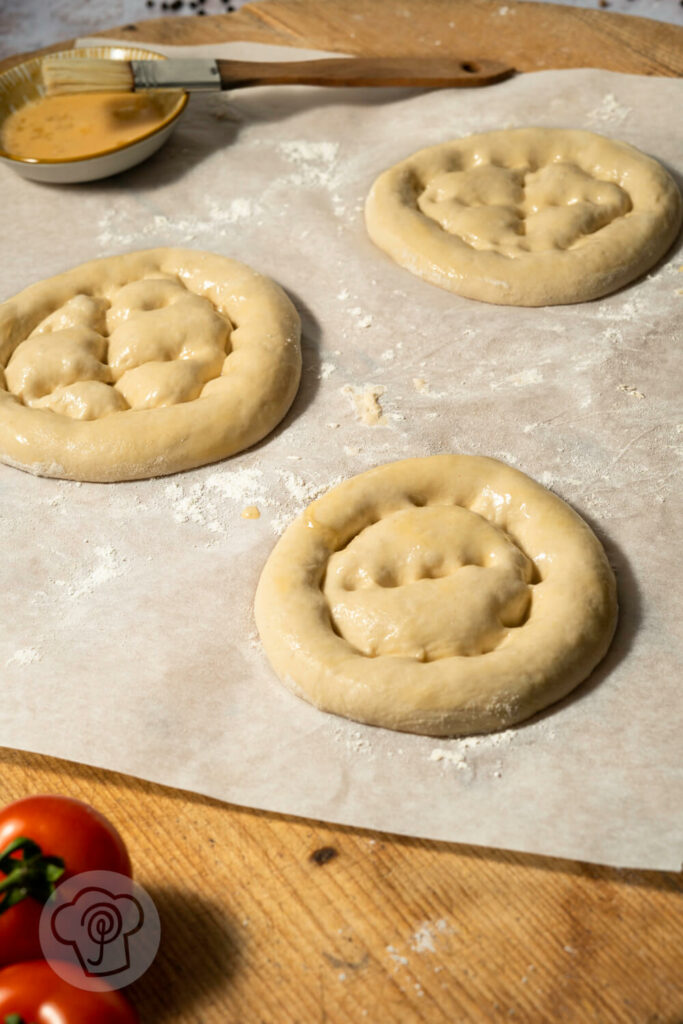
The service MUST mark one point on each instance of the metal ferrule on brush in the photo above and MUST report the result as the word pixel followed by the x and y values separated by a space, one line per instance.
pixel 195 74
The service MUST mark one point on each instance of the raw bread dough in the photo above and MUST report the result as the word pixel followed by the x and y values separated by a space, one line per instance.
pixel 443 595
pixel 527 217
pixel 144 364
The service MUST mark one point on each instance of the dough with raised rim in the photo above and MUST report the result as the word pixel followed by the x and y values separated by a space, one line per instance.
pixel 526 217
pixel 144 364
pixel 444 595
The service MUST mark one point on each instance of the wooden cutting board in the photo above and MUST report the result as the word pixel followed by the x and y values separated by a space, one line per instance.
pixel 531 37
pixel 272 920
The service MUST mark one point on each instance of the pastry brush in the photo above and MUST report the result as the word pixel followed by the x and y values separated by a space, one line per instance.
pixel 70 75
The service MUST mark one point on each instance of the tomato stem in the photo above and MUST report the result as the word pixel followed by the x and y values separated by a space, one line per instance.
pixel 31 874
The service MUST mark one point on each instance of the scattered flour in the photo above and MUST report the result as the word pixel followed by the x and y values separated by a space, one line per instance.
pixel 24 656
pixel 629 310
pixel 362 319
pixel 108 565
pixel 532 375
pixel 354 742
pixel 215 502
pixel 121 226
pixel 459 752
pixel 314 161
pixel 423 939
pixel 454 756
pixel 396 957
pixel 608 110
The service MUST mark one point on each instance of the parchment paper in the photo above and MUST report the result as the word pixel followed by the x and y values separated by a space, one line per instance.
pixel 128 640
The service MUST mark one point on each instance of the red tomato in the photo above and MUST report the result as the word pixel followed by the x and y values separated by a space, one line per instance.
pixel 39 996
pixel 62 827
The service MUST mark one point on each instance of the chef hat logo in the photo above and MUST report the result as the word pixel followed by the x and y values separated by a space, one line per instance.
pixel 99 930
pixel 98 924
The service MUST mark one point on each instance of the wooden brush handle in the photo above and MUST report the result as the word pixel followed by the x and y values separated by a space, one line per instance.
pixel 419 72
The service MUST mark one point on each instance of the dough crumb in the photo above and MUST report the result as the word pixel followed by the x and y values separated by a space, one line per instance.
pixel 365 402
pixel 421 385
pixel 630 390
pixel 251 512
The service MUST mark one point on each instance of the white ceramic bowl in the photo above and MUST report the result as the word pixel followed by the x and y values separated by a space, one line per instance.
pixel 23 83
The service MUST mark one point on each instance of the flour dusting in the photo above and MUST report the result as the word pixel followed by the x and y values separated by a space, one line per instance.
pixel 468 754
pixel 314 162
pixel 426 936
pixel 214 503
pixel 609 110
pixel 108 565
pixel 396 956
pixel 24 656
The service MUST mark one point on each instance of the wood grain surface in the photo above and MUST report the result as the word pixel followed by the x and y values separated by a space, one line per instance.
pixel 531 37
pixel 271 920
pixel 260 926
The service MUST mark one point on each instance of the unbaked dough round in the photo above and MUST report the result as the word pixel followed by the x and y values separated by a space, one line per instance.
pixel 144 364
pixel 526 217
pixel 443 595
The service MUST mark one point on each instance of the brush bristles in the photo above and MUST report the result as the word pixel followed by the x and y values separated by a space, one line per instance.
pixel 66 75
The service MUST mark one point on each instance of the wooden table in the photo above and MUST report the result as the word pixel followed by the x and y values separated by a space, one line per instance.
pixel 270 920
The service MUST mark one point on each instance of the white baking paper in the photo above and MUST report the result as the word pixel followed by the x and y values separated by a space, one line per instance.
pixel 128 639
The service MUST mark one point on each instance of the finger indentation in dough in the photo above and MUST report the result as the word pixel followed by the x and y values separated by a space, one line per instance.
pixel 458 585
pixel 492 208
pixel 526 217
pixel 203 349
pixel 442 595
pixel 84 400
pixel 53 359
pixel 165 344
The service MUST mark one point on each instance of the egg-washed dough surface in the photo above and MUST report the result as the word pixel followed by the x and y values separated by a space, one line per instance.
pixel 144 364
pixel 445 595
pixel 526 217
